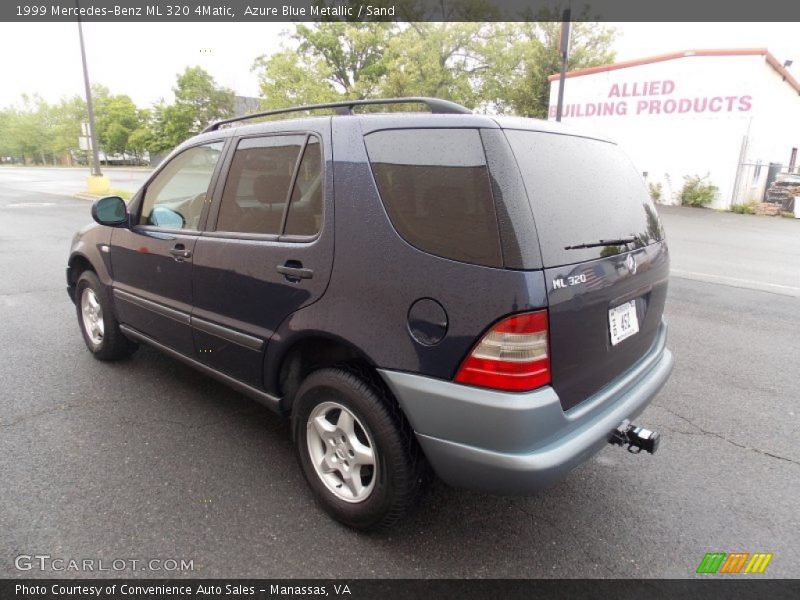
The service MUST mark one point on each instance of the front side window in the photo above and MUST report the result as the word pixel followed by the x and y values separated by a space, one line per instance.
pixel 174 199
pixel 435 186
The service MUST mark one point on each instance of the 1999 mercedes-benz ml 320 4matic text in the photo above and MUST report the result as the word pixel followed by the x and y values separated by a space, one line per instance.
pixel 477 297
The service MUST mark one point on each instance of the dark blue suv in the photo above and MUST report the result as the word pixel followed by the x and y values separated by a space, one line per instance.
pixel 480 296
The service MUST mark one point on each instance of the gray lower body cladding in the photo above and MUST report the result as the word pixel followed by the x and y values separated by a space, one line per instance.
pixel 518 443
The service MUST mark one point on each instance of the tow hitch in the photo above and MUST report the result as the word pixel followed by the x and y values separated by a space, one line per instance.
pixel 635 437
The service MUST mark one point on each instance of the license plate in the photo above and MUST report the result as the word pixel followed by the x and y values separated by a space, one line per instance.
pixel 622 322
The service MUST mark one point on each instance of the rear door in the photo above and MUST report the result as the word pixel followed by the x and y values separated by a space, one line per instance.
pixel 152 261
pixel 268 250
pixel 606 265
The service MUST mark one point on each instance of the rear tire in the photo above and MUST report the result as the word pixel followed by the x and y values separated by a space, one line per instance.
pixel 357 453
pixel 99 327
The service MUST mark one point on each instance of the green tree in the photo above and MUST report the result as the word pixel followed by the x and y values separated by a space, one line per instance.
pixel 140 139
pixel 28 130
pixel 328 61
pixel 6 148
pixel 526 54
pixel 39 132
pixel 198 102
pixel 197 93
pixel 351 52
pixel 116 117
pixel 502 67
pixel 169 125
pixel 66 119
pixel 285 81
pixel 442 60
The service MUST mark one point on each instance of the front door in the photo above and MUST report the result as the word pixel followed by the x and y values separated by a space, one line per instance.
pixel 152 261
pixel 268 250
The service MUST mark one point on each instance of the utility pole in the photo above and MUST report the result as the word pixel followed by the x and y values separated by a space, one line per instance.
pixel 89 108
pixel 564 54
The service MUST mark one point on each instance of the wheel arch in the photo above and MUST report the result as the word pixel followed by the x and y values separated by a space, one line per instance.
pixel 77 264
pixel 310 352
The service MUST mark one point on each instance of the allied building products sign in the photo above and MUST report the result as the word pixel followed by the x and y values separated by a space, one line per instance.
pixel 654 98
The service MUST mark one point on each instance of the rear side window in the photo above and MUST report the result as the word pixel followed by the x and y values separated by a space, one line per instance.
pixel 582 191
pixel 257 187
pixel 305 209
pixel 435 186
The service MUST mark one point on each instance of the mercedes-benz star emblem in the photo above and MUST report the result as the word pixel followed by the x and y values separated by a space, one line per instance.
pixel 630 262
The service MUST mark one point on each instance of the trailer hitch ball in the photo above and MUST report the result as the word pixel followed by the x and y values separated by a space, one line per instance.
pixel 635 438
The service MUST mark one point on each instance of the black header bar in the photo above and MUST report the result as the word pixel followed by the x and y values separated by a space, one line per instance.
pixel 132 11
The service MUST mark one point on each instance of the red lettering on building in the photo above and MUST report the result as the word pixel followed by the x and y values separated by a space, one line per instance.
pixel 654 106
pixel 745 103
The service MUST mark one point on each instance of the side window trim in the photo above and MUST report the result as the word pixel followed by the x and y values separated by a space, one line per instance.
pixel 292 183
pixel 293 237
pixel 212 185
pixel 213 213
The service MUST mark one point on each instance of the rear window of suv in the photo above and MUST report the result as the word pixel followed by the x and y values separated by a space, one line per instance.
pixel 582 191
pixel 435 186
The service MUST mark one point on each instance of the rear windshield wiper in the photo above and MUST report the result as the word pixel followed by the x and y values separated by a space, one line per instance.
pixel 617 242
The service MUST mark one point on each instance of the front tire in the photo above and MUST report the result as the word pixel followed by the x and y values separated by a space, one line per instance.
pixel 357 453
pixel 98 325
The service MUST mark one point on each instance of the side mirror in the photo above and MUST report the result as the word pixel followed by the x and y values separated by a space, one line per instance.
pixel 110 211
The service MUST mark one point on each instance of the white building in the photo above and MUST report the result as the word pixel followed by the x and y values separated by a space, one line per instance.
pixel 728 113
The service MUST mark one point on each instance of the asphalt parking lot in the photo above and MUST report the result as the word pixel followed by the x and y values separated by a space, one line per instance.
pixel 148 459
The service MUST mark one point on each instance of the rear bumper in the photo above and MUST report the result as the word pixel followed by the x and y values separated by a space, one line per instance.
pixel 517 443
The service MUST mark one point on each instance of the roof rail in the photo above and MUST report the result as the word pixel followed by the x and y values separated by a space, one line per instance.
pixel 436 105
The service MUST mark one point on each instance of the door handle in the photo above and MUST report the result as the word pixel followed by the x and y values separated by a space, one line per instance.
pixel 293 270
pixel 180 252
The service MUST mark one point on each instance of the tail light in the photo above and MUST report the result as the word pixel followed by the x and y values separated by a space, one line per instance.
pixel 511 356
